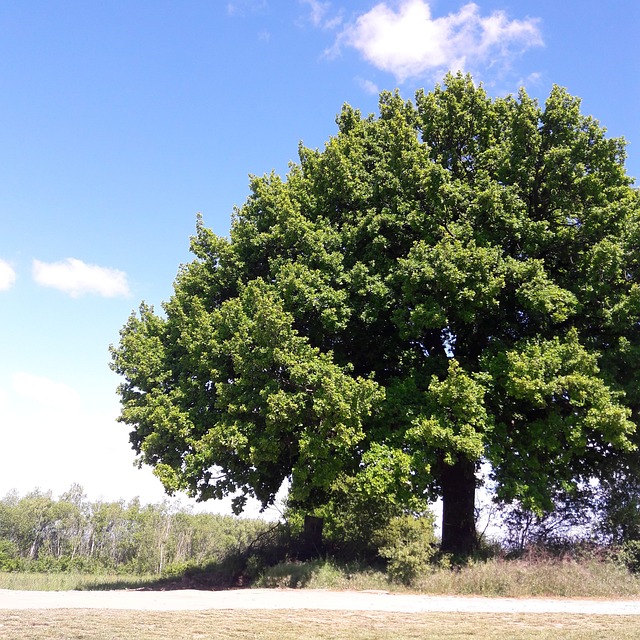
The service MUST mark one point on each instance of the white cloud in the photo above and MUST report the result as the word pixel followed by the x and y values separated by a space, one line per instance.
pixel 52 437
pixel 409 42
pixel 78 278
pixel 37 390
pixel 7 276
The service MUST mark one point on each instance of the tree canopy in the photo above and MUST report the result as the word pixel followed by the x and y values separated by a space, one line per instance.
pixel 451 282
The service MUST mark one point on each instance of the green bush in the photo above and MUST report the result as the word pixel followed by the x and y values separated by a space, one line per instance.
pixel 9 560
pixel 408 544
pixel 629 555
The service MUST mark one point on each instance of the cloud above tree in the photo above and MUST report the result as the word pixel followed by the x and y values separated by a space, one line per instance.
pixel 78 278
pixel 409 42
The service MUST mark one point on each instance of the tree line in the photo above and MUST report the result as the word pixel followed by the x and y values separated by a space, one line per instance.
pixel 72 533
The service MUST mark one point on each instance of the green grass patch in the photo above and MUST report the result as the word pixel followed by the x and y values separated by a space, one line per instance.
pixel 27 581
pixel 322 575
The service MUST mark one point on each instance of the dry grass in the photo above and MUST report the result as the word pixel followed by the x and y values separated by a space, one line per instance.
pixel 321 625
pixel 494 578
pixel 550 578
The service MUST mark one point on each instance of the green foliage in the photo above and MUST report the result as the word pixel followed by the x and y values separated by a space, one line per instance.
pixel 361 505
pixel 452 282
pixel 629 555
pixel 8 556
pixel 408 544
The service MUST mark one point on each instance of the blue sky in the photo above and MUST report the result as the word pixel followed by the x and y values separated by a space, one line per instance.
pixel 120 120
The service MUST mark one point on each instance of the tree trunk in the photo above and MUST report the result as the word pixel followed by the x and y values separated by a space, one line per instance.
pixel 458 507
pixel 312 546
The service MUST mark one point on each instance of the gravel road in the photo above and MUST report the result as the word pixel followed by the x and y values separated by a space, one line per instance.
pixel 192 600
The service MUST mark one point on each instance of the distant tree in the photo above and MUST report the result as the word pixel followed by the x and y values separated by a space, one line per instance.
pixel 40 533
pixel 452 282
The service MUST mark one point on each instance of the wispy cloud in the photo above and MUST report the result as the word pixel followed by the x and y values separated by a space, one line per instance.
pixel 77 278
pixel 7 275
pixel 408 42
pixel 320 14
pixel 368 86
pixel 533 79
pixel 243 7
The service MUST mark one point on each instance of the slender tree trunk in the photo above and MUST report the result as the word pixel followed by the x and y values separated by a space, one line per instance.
pixel 458 507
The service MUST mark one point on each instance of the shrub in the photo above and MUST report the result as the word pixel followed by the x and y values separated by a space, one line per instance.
pixel 629 555
pixel 408 544
pixel 9 560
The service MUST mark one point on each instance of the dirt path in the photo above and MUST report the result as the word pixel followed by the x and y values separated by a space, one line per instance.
pixel 192 600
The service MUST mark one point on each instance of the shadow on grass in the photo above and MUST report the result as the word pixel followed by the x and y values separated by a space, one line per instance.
pixel 292 575
pixel 236 569
pixel 230 572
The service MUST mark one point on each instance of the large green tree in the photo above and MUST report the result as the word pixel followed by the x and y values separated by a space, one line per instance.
pixel 452 282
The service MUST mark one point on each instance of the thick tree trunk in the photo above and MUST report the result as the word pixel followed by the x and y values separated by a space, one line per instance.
pixel 312 546
pixel 458 507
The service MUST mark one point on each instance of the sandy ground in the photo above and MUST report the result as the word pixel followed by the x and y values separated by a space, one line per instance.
pixel 192 600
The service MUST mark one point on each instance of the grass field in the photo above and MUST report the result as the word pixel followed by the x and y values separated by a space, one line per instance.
pixel 312 625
